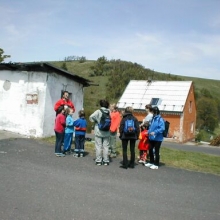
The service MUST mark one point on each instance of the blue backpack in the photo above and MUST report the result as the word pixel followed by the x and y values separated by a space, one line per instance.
pixel 105 121
pixel 129 127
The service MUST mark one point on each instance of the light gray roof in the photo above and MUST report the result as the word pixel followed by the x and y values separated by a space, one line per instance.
pixel 172 94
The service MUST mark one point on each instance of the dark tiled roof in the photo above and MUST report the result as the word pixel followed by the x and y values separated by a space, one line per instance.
pixel 44 67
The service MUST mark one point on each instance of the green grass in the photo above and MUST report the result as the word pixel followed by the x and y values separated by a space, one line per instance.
pixel 193 161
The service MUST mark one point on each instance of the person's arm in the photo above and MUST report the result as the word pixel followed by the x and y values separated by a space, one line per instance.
pixel 71 105
pixel 58 104
pixel 63 120
pixel 94 117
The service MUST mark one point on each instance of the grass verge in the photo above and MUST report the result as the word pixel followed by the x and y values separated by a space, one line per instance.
pixel 193 161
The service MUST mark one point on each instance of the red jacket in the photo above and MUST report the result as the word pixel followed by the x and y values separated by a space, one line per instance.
pixel 115 121
pixel 144 141
pixel 60 123
pixel 64 102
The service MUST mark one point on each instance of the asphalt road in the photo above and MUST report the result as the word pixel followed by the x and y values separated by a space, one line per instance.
pixel 36 185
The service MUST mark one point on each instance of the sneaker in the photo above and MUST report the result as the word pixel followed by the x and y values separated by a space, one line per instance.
pixel 81 155
pixel 75 155
pixel 148 164
pixel 106 163
pixel 154 167
pixel 141 161
pixel 98 163
pixel 60 154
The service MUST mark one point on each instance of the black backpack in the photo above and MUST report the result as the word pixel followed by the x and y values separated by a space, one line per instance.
pixel 105 121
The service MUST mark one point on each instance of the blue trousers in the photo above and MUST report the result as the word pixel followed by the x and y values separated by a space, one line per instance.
pixel 79 143
pixel 67 142
pixel 59 141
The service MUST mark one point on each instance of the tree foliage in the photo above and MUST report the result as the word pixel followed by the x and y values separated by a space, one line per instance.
pixel 99 67
pixel 2 56
pixel 207 114
pixel 63 66
pixel 81 59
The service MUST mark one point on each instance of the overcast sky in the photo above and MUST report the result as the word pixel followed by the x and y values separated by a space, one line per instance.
pixel 180 37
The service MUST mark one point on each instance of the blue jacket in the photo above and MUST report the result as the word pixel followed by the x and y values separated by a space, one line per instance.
pixel 69 124
pixel 80 126
pixel 157 126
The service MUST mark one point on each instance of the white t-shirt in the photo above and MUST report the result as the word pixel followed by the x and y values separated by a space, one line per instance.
pixel 148 118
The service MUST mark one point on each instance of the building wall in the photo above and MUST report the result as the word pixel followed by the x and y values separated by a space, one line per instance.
pixel 174 129
pixel 189 122
pixel 27 101
pixel 22 96
pixel 55 85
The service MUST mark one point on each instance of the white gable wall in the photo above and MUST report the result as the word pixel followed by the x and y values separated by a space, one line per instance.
pixel 55 84
pixel 19 114
pixel 16 112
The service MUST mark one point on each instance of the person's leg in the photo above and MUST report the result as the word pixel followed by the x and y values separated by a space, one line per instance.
pixel 113 143
pixel 132 151
pixel 67 143
pixel 151 152
pixel 56 143
pixel 59 141
pixel 77 144
pixel 70 142
pixel 144 157
pixel 98 148
pixel 124 149
pixel 157 152
pixel 82 142
pixel 105 149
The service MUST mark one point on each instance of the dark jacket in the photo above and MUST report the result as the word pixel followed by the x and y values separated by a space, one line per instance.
pixel 122 124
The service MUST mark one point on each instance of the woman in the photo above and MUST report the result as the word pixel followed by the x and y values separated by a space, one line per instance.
pixel 126 136
pixel 156 137
pixel 149 115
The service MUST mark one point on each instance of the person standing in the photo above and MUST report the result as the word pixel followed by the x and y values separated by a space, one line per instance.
pixel 156 137
pixel 115 122
pixel 59 127
pixel 149 116
pixel 64 101
pixel 143 145
pixel 69 130
pixel 129 132
pixel 101 136
pixel 80 134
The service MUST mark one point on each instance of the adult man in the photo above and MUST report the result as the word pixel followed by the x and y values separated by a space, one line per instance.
pixel 64 101
pixel 101 136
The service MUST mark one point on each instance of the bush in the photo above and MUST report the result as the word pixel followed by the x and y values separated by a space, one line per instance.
pixel 215 141
pixel 200 136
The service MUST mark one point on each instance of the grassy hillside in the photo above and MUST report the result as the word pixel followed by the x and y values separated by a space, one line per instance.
pixel 94 93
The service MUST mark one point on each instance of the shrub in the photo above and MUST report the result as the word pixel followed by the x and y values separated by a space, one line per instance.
pixel 215 141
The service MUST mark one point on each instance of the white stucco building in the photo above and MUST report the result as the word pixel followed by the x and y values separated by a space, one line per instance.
pixel 28 92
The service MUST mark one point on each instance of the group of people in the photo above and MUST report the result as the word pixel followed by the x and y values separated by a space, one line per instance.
pixel 108 122
pixel 65 127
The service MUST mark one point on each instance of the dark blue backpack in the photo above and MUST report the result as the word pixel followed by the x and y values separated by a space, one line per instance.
pixel 166 127
pixel 105 121
pixel 129 127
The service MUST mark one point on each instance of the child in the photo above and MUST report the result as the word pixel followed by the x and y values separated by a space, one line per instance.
pixel 80 134
pixel 68 131
pixel 59 127
pixel 143 145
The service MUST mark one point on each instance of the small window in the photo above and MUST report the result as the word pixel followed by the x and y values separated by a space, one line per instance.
pixel 192 127
pixel 154 101
pixel 190 107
